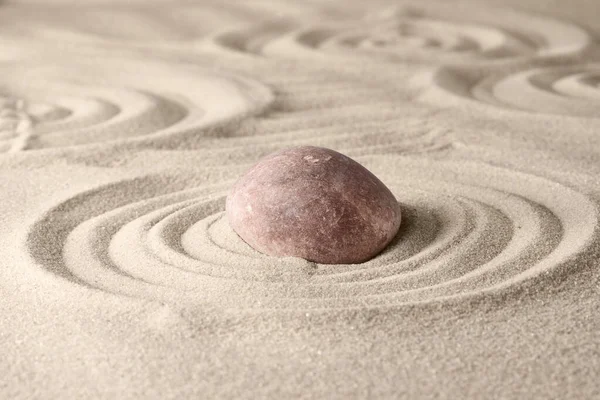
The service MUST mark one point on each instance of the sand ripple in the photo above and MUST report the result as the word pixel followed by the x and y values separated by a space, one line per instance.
pixel 469 228
pixel 560 90
pixel 423 33
pixel 50 105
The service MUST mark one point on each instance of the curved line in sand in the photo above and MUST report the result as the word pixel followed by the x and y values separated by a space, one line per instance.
pixel 134 103
pixel 431 33
pixel 175 247
pixel 559 90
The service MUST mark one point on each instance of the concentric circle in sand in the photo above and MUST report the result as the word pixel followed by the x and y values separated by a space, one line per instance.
pixel 466 231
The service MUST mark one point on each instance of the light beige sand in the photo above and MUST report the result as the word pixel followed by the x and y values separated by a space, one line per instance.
pixel 124 124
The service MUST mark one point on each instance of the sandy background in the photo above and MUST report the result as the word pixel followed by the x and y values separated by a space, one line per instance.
pixel 124 124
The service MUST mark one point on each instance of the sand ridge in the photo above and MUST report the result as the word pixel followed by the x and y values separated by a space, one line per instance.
pixel 120 276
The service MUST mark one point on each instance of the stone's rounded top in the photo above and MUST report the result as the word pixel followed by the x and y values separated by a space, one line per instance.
pixel 313 203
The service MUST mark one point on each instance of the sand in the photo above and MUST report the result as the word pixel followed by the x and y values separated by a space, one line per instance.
pixel 123 125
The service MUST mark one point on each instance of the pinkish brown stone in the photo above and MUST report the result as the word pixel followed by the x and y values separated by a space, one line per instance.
pixel 313 203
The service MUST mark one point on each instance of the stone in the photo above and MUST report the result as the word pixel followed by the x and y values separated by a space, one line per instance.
pixel 313 203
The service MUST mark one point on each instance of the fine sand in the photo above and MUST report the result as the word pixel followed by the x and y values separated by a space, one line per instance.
pixel 123 124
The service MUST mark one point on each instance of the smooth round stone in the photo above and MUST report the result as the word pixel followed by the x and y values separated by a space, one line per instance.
pixel 313 203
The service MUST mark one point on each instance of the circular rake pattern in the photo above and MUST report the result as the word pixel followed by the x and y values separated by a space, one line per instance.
pixel 465 231
pixel 573 90
pixel 559 90
pixel 434 33
pixel 110 101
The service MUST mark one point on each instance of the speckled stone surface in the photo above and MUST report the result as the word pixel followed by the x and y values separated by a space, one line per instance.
pixel 313 203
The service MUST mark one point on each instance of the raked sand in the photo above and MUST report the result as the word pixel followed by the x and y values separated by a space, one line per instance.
pixel 124 124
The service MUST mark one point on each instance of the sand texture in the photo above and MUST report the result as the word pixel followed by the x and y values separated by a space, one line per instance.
pixel 124 124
